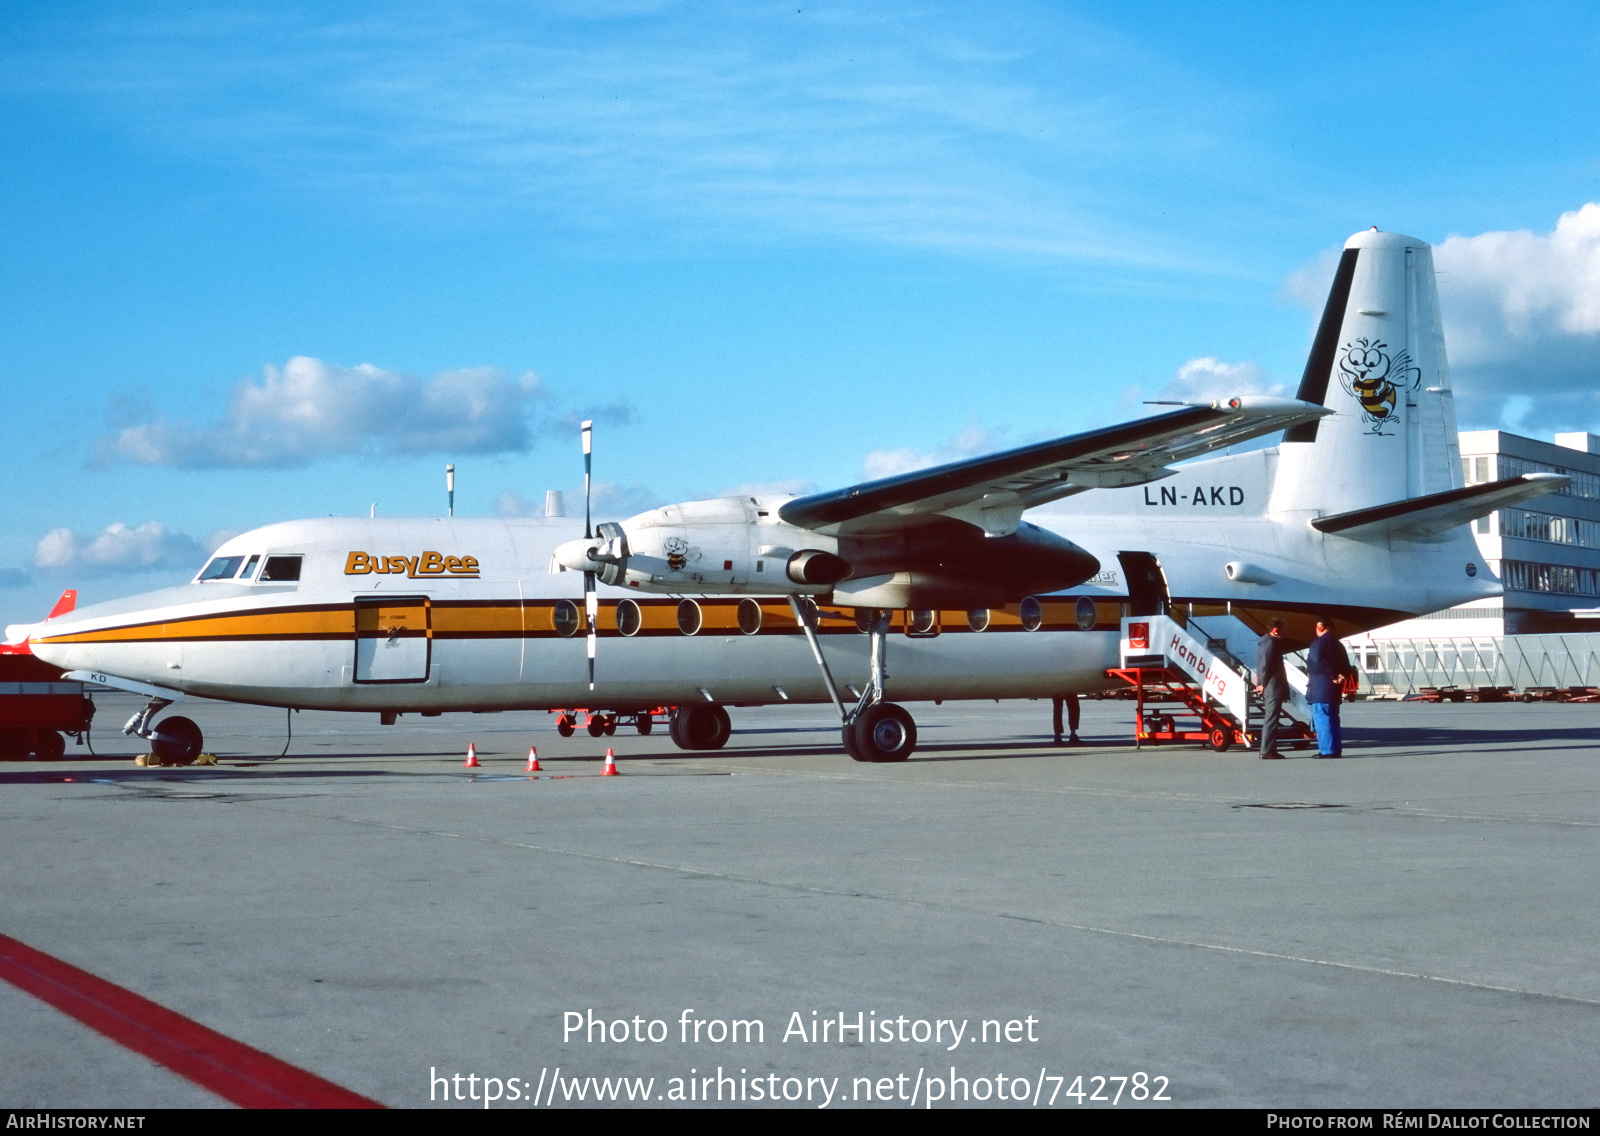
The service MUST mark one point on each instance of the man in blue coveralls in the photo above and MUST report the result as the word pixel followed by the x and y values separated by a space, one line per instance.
pixel 1327 665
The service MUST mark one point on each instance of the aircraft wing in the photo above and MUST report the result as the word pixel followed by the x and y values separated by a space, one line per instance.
pixel 992 491
pixel 1419 518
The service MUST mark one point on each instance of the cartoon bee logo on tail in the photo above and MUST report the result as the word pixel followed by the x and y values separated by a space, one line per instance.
pixel 1374 378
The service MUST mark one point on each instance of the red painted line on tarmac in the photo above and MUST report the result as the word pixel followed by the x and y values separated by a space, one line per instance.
pixel 234 1071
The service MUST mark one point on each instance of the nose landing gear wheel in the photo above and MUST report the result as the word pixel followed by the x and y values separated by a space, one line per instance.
pixel 884 732
pixel 177 741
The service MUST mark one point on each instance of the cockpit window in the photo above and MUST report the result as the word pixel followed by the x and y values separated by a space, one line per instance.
pixel 249 568
pixel 280 568
pixel 222 568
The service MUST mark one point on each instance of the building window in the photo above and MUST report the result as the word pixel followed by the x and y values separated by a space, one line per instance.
pixel 1555 579
pixel 1583 484
pixel 1543 526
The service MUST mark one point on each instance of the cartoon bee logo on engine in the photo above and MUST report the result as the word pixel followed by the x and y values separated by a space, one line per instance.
pixel 678 553
pixel 1375 379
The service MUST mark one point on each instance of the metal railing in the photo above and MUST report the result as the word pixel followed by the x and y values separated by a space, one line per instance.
pixel 1405 666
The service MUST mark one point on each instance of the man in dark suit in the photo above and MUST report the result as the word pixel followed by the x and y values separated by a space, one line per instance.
pixel 1272 684
pixel 1327 666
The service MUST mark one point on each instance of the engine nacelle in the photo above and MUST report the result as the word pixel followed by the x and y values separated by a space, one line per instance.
pixel 734 545
pixel 729 545
pixel 951 564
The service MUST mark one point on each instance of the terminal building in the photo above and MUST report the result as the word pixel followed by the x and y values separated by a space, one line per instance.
pixel 1544 632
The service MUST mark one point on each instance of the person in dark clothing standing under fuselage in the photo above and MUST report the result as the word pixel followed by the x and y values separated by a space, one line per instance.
pixel 1071 701
pixel 1272 684
pixel 1327 666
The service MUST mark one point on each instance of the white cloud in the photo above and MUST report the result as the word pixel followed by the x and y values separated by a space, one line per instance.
pixel 1509 288
pixel 789 487
pixel 119 549
pixel 1309 284
pixel 310 409
pixel 609 501
pixel 1203 378
pixel 1209 377
pixel 1522 324
pixel 971 441
pixel 512 503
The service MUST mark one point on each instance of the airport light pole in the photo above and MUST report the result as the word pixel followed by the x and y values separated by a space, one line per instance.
pixel 450 487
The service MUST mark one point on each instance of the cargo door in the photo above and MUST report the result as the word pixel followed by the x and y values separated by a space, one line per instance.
pixel 393 638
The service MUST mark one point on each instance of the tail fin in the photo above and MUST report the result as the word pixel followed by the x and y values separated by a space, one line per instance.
pixel 1378 361
pixel 16 639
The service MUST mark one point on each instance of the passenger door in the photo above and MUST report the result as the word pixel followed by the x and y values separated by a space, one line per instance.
pixel 393 639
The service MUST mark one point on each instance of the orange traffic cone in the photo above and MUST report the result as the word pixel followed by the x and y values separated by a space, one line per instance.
pixel 533 759
pixel 611 765
pixel 472 757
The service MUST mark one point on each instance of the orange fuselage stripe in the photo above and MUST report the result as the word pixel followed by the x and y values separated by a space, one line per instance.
pixel 534 619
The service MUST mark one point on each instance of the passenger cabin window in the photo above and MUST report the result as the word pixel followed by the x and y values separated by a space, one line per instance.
pixel 280 569
pixel 221 568
pixel 249 568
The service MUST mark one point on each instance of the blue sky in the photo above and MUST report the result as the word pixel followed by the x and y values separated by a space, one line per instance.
pixel 266 261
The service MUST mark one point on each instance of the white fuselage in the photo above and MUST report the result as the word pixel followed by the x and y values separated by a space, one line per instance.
pixel 492 623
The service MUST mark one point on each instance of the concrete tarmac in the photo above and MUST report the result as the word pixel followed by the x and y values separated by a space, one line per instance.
pixel 1412 926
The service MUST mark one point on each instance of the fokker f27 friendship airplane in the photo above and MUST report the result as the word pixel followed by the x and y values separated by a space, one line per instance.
pixel 1359 513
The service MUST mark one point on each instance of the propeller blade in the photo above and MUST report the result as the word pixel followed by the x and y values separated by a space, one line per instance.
pixel 591 608
pixel 588 445
pixel 591 605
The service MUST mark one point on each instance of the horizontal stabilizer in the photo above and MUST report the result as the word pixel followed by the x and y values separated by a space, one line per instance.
pixel 1419 518
pixel 1014 480
pixel 18 633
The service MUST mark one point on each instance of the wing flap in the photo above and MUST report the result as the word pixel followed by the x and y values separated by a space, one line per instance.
pixel 1422 517
pixel 1114 456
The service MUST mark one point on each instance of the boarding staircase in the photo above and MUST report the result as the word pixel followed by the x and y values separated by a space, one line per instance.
pixel 1192 686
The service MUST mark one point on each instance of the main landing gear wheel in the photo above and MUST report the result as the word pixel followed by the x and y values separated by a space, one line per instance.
pixel 1221 739
pixel 177 741
pixel 701 726
pixel 884 732
pixel 566 725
